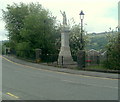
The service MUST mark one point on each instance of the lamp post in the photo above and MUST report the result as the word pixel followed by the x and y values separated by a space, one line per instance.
pixel 81 18
pixel 81 52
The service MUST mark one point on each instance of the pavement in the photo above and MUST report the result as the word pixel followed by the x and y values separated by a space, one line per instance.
pixel 65 70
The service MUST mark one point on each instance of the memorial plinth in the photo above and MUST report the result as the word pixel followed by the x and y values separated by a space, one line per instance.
pixel 65 53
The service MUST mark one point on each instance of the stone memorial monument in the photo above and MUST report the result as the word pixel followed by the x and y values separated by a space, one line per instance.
pixel 65 53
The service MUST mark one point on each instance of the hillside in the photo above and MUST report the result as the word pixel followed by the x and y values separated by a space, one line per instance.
pixel 97 41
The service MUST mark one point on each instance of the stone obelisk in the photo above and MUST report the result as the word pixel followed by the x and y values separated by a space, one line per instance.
pixel 65 53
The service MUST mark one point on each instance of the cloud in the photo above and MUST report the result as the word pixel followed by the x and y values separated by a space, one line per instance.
pixel 99 14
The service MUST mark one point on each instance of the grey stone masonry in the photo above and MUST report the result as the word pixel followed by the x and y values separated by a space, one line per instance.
pixel 65 53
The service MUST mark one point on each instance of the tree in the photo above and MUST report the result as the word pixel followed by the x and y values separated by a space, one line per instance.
pixel 14 17
pixel 31 26
pixel 75 39
pixel 39 30
pixel 113 52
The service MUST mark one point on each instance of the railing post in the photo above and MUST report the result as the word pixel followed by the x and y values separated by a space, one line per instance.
pixel 62 60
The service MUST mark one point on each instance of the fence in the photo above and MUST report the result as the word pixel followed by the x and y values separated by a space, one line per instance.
pixel 33 56
pixel 50 58
pixel 92 57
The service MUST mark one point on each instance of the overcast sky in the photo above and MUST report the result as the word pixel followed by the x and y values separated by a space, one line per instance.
pixel 100 15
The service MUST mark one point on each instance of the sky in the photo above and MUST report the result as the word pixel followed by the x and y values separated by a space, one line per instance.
pixel 100 15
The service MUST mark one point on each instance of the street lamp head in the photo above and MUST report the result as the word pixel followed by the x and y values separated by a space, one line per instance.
pixel 81 15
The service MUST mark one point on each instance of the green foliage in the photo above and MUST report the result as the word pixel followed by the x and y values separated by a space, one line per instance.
pixel 75 39
pixel 96 67
pixel 113 52
pixel 30 26
pixel 21 47
pixel 4 44
pixel 96 42
pixel 14 17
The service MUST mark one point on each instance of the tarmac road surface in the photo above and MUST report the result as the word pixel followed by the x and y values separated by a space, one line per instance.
pixel 22 82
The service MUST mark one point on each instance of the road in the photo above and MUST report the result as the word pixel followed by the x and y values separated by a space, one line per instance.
pixel 21 82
